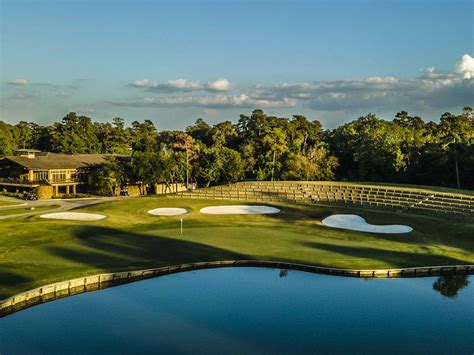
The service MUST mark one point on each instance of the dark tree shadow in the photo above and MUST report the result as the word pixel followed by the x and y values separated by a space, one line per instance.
pixel 112 249
pixel 9 278
pixel 450 285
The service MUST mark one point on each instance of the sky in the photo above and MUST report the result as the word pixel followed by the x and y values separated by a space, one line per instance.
pixel 175 61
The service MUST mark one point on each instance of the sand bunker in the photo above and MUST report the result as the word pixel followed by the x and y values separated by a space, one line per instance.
pixel 170 211
pixel 357 223
pixel 74 216
pixel 239 209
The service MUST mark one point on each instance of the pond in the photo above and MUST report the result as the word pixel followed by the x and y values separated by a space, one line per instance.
pixel 252 310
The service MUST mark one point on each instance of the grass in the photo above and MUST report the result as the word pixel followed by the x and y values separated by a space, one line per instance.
pixel 4 203
pixel 11 211
pixel 34 251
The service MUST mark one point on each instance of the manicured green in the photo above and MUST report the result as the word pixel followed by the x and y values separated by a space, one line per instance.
pixel 34 251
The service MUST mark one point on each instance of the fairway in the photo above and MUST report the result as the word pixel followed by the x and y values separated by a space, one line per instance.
pixel 36 251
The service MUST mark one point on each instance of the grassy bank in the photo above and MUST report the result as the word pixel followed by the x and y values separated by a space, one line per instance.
pixel 34 251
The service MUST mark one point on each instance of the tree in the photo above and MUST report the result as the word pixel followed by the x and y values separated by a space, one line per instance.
pixel 23 134
pixel 274 145
pixel 316 164
pixel 113 137
pixel 369 149
pixel 303 134
pixel 223 134
pixel 185 143
pixel 232 166
pixel 200 131
pixel 107 177
pixel 208 166
pixel 7 139
pixel 74 135
pixel 144 136
pixel 455 131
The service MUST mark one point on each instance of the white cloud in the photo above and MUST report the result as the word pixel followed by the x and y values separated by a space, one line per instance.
pixel 381 80
pixel 215 101
pixel 431 89
pixel 219 85
pixel 17 82
pixel 145 83
pixel 182 85
pixel 465 66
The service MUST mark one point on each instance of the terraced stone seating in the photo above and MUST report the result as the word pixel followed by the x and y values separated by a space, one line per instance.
pixel 424 201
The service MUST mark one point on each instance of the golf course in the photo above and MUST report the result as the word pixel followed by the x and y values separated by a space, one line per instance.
pixel 36 251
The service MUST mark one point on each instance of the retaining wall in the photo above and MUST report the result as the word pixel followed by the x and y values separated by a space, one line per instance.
pixel 91 283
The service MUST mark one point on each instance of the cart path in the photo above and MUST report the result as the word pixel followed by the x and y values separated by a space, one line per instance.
pixel 64 205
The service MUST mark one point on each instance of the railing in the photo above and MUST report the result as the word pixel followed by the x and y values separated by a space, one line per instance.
pixel 22 181
pixel 60 181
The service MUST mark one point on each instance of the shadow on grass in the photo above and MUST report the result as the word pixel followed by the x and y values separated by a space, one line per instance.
pixel 111 250
pixel 395 258
pixel 10 278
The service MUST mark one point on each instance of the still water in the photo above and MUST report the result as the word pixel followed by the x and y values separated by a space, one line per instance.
pixel 252 310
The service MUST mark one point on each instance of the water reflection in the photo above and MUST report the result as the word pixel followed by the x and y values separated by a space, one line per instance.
pixel 450 285
pixel 283 273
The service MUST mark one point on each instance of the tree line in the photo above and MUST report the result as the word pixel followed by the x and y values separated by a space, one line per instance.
pixel 406 149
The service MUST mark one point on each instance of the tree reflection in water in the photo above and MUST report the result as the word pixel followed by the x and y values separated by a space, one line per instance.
pixel 450 285
pixel 283 272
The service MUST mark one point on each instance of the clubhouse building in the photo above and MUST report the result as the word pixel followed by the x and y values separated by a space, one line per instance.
pixel 52 174
pixel 48 174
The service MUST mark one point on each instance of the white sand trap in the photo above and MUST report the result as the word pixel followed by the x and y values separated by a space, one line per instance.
pixel 357 223
pixel 74 216
pixel 239 209
pixel 170 211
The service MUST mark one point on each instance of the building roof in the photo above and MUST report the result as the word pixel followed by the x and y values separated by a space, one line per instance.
pixel 59 161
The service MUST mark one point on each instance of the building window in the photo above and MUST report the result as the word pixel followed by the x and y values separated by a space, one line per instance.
pixel 59 176
pixel 40 175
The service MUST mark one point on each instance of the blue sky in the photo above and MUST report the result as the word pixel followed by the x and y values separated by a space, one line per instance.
pixel 175 61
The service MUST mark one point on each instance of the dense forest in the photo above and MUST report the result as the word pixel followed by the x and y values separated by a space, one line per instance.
pixel 406 149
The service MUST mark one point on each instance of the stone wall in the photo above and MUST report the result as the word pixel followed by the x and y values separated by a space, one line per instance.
pixel 171 188
pixel 44 192
pixel 133 190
